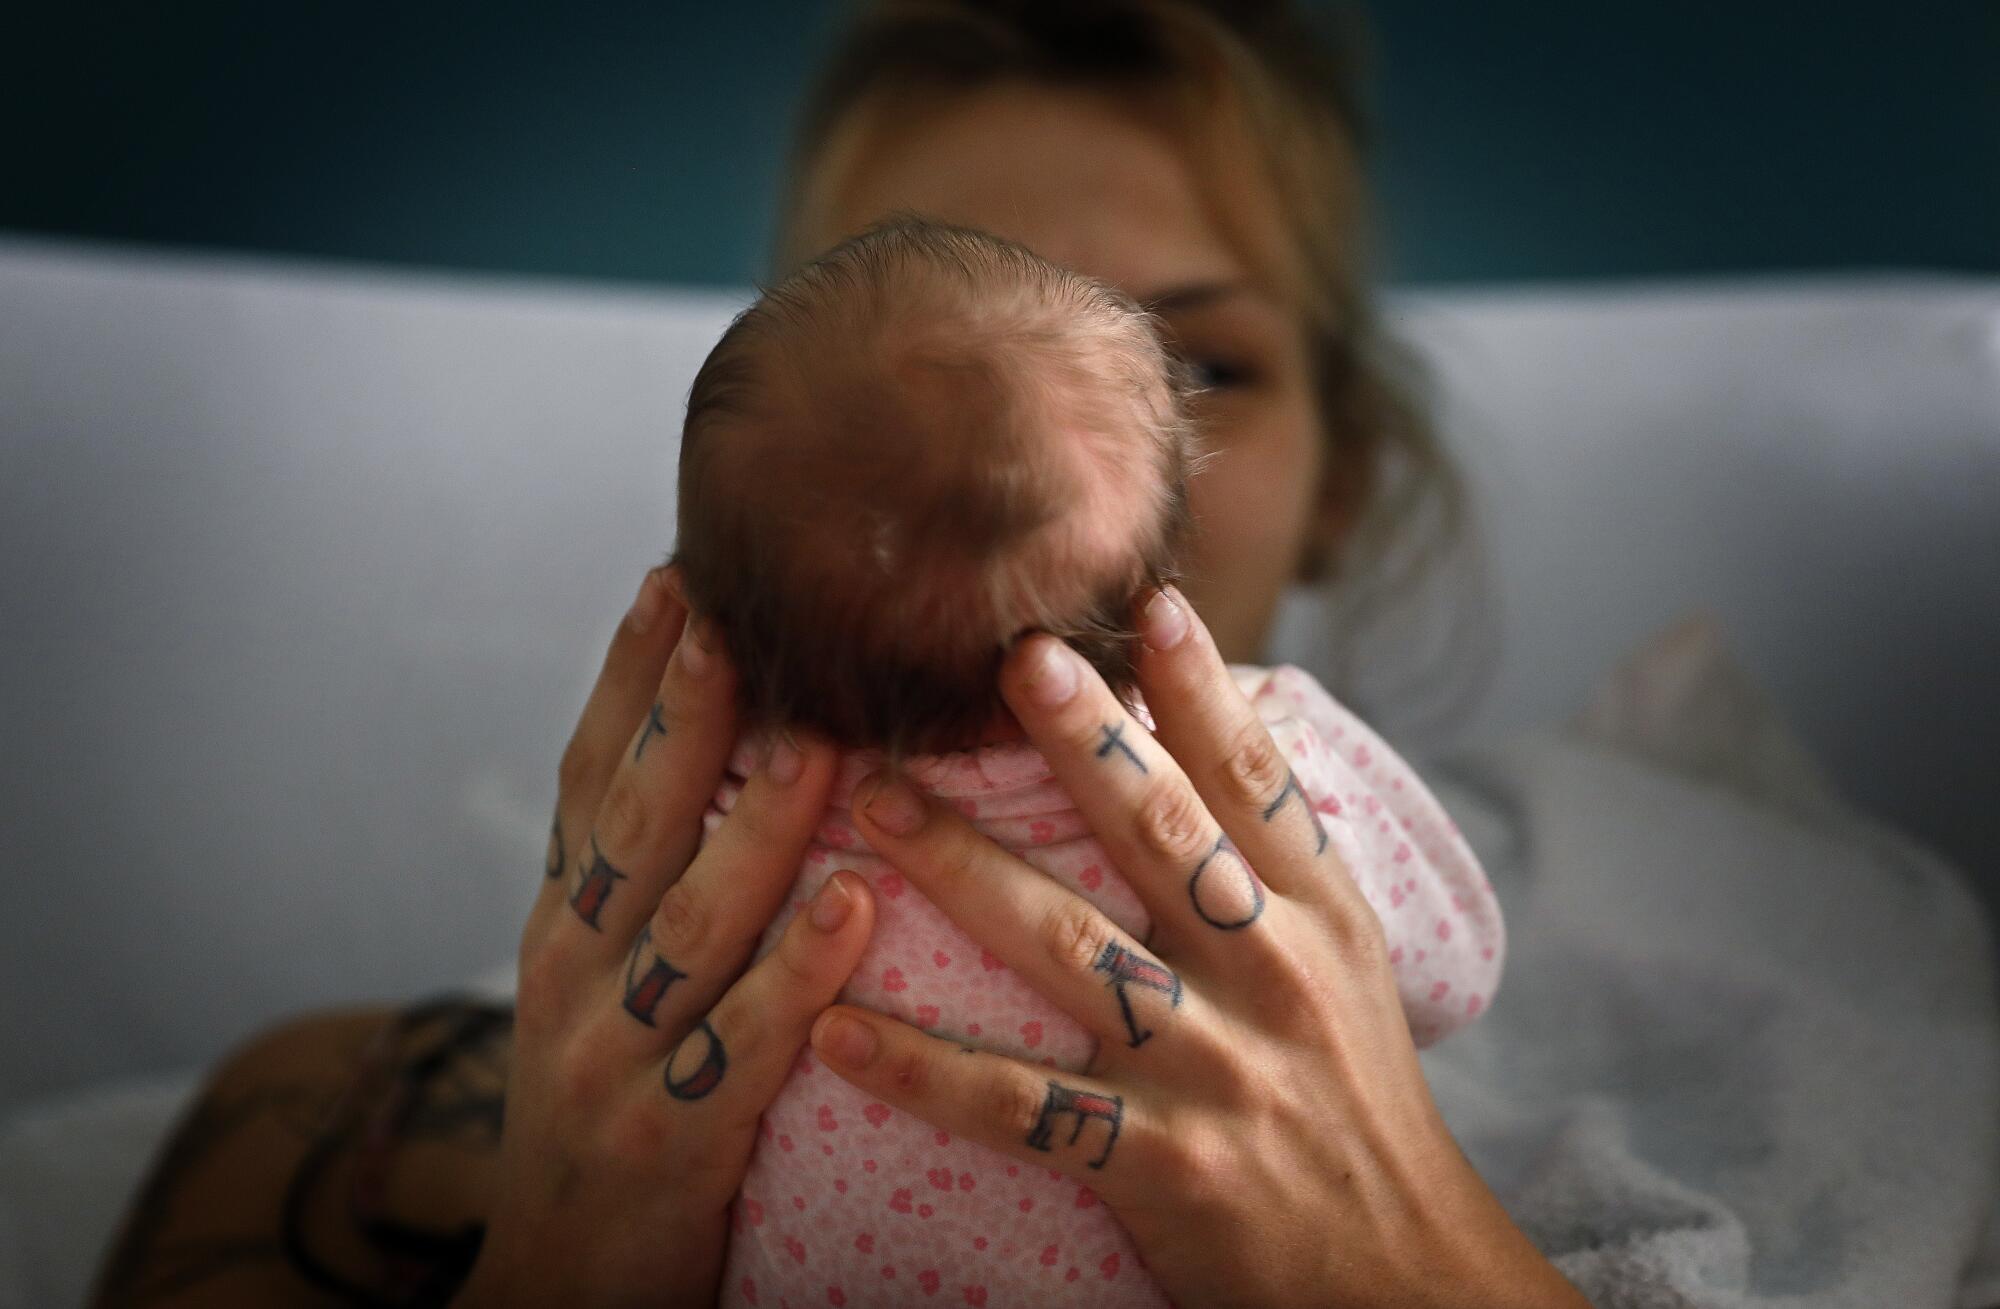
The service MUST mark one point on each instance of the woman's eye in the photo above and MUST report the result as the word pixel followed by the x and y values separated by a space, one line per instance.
pixel 1212 374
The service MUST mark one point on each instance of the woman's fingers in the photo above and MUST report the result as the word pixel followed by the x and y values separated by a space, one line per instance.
pixel 648 823
pixel 1245 782
pixel 707 922
pixel 1140 804
pixel 627 683
pixel 738 1056
pixel 1059 942
pixel 1053 1119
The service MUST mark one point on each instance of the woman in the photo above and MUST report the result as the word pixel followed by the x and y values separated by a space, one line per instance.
pixel 1204 158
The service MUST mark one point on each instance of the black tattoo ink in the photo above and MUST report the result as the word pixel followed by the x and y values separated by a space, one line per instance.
pixel 1114 739
pixel 1292 788
pixel 594 887
pixel 1226 919
pixel 1123 968
pixel 1086 1105
pixel 643 994
pixel 655 726
pixel 450 1088
pixel 437 1072
pixel 148 1264
pixel 707 1075
pixel 558 856
pixel 455 1087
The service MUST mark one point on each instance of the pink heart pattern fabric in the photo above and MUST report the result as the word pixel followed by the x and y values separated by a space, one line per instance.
pixel 849 1201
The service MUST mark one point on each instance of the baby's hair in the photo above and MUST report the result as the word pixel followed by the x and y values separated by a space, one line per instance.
pixel 907 453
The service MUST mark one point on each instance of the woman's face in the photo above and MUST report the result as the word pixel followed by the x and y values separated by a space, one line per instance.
pixel 1078 180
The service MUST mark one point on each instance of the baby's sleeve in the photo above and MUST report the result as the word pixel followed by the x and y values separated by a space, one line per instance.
pixel 1446 941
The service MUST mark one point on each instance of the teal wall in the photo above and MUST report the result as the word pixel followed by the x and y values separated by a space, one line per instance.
pixel 1557 139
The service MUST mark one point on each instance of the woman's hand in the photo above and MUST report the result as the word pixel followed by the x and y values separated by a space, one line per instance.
pixel 642 1060
pixel 1255 1114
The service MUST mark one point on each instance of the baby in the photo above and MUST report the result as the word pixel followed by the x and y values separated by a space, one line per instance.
pixel 897 460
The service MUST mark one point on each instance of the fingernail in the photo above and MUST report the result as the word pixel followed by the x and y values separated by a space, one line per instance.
pixel 786 762
pixel 845 1041
pixel 1165 622
pixel 831 906
pixel 892 806
pixel 1053 679
pixel 646 606
pixel 694 655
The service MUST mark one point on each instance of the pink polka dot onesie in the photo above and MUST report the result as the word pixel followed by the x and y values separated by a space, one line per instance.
pixel 850 1202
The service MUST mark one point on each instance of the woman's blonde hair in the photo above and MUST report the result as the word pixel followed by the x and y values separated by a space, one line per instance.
pixel 1225 73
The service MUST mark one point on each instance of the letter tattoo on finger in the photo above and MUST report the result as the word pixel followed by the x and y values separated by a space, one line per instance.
pixel 593 888
pixel 1292 788
pixel 1114 739
pixel 706 1073
pixel 1122 968
pixel 643 993
pixel 655 726
pixel 1225 889
pixel 1085 1105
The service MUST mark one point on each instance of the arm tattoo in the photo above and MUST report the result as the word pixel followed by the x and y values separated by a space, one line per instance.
pixel 450 1088
pixel 1123 968
pixel 444 1088
pixel 146 1265
pixel 706 1075
pixel 1085 1105
pixel 558 855
pixel 1221 900
pixel 655 726
pixel 643 993
pixel 1292 788
pixel 593 888
pixel 462 1078
pixel 1114 739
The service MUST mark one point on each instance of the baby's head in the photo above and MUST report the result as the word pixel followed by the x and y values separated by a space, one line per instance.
pixel 907 453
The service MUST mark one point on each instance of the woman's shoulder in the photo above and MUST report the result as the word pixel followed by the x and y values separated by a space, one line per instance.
pixel 309 1144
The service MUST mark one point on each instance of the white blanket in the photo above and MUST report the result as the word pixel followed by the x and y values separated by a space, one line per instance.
pixel 1746 1051
pixel 1745 1054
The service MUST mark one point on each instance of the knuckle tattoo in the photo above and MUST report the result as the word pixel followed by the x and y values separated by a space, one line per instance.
pixel 1083 1108
pixel 1111 744
pixel 698 1064
pixel 595 882
pixel 1123 970
pixel 648 977
pixel 1224 889
pixel 655 725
